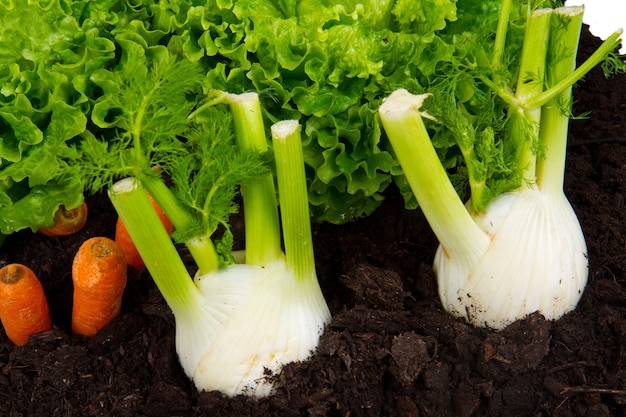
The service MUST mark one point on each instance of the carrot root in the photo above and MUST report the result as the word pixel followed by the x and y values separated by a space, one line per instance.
pixel 23 306
pixel 67 222
pixel 99 277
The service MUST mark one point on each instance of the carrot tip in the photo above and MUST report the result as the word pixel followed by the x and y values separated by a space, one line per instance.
pixel 23 305
pixel 12 273
pixel 99 276
pixel 67 222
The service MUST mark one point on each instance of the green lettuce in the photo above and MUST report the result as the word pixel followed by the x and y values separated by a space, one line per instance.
pixel 326 64
pixel 47 52
pixel 50 53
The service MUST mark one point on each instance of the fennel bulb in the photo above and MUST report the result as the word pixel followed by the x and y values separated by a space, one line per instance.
pixel 237 325
pixel 516 247
pixel 535 261
pixel 524 253
pixel 267 319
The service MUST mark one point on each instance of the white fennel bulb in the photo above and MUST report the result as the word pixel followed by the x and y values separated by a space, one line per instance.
pixel 535 261
pixel 260 318
pixel 516 247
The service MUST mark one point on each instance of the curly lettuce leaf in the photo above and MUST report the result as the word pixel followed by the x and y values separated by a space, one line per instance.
pixel 48 51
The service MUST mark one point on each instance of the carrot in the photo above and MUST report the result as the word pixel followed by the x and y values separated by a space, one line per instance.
pixel 67 222
pixel 23 305
pixel 99 276
pixel 122 238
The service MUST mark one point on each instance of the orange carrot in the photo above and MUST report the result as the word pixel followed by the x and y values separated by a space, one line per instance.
pixel 67 222
pixel 122 238
pixel 23 305
pixel 99 276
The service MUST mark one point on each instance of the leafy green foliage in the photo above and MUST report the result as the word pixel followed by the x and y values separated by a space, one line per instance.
pixel 206 178
pixel 143 112
pixel 294 53
pixel 46 55
pixel 148 107
pixel 326 64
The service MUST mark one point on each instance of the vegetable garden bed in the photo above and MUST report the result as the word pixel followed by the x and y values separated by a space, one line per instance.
pixel 390 348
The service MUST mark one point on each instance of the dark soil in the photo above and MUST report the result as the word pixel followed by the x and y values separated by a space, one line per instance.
pixel 390 350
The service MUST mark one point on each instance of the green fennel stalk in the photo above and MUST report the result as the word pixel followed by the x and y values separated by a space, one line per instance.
pixel 439 201
pixel 158 252
pixel 293 193
pixel 259 196
pixel 261 216
pixel 554 123
pixel 524 122
pixel 153 244
pixel 541 105
pixel 200 246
